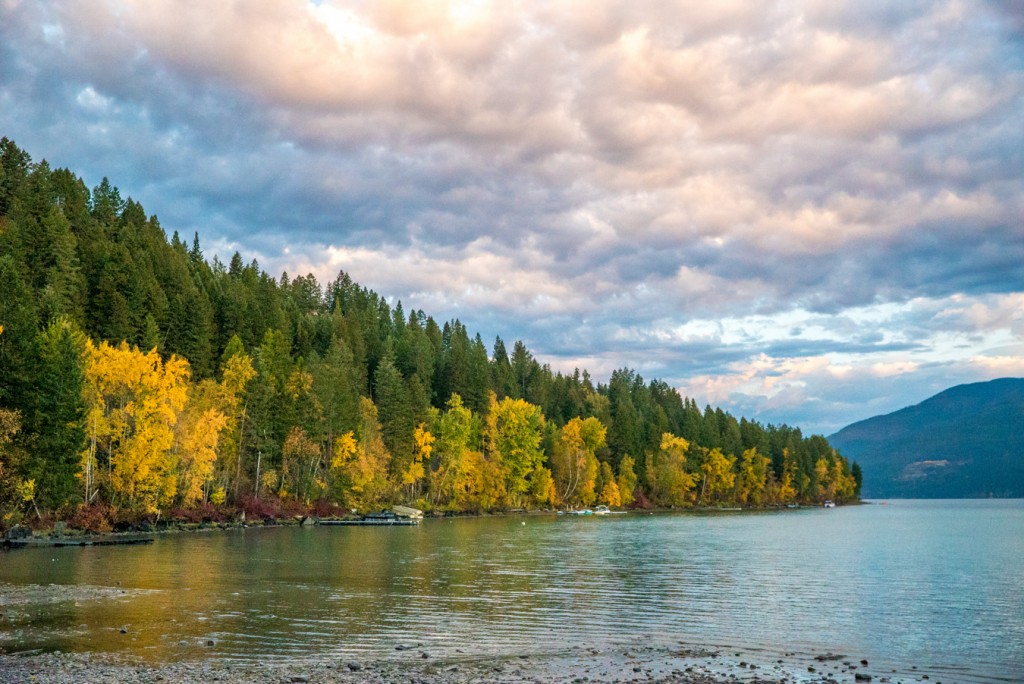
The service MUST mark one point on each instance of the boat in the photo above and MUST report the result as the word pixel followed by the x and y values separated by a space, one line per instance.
pixel 829 503
pixel 408 512
pixel 582 511
pixel 602 510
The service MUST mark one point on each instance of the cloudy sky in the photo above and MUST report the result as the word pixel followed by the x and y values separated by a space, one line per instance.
pixel 807 212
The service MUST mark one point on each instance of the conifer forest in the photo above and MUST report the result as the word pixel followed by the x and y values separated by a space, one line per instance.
pixel 138 377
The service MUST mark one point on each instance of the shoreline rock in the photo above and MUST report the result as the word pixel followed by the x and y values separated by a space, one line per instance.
pixel 580 665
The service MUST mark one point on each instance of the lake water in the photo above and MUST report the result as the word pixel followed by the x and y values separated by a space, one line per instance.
pixel 939 584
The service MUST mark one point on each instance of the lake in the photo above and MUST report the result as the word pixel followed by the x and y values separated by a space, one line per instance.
pixel 937 584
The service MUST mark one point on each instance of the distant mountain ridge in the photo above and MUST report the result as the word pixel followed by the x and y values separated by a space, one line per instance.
pixel 965 442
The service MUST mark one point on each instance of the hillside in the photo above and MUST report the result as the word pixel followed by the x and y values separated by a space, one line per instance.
pixel 964 442
pixel 137 373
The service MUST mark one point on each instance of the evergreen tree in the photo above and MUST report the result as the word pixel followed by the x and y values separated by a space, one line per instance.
pixel 58 417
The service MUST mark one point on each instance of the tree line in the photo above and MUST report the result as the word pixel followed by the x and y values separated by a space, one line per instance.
pixel 138 374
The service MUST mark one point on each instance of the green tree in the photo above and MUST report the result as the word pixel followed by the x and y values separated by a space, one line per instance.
pixel 59 414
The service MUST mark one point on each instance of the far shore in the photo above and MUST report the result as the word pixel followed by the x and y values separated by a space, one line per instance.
pixel 141 529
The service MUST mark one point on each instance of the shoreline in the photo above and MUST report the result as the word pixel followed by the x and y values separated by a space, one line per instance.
pixel 579 665
pixel 71 537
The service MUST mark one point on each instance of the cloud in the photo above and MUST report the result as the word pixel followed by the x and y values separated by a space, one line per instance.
pixel 755 200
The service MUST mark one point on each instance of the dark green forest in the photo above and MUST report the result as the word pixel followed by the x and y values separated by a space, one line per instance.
pixel 137 374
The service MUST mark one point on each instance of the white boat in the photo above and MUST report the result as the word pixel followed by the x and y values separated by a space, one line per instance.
pixel 407 512
pixel 602 510
pixel 830 504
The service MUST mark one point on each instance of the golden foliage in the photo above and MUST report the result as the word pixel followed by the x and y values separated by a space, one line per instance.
pixel 134 400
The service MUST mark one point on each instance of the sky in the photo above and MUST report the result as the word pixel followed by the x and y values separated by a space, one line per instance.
pixel 806 212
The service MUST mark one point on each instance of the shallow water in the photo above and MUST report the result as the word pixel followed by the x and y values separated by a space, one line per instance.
pixel 937 584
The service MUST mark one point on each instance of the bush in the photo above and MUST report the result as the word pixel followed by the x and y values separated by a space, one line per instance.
pixel 96 518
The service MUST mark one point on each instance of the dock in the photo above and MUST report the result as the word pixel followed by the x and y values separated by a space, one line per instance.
pixel 407 523
pixel 388 518
pixel 59 542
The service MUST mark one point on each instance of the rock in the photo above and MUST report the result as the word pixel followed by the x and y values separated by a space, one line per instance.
pixel 403 647
pixel 299 679
pixel 124 630
pixel 354 666
pixel 18 532
pixel 861 677
pixel 309 520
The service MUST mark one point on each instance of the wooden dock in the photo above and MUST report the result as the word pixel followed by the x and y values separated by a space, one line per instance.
pixel 373 522
pixel 59 542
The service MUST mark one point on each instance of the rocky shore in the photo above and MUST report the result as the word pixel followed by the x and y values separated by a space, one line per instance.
pixel 412 665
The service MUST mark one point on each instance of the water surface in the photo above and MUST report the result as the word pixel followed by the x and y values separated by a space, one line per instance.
pixel 939 584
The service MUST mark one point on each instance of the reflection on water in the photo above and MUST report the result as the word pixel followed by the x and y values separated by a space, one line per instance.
pixel 935 583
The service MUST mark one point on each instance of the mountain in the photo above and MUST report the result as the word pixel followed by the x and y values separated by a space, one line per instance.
pixel 965 442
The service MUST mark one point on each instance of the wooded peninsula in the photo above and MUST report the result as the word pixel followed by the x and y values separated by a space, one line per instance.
pixel 138 378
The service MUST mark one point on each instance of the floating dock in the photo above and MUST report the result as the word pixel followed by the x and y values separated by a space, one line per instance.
pixel 364 521
pixel 57 542
pixel 383 518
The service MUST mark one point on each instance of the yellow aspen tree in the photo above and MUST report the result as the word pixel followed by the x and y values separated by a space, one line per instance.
pixel 753 477
pixel 542 487
pixel 669 481
pixel 237 372
pixel 365 470
pixel 482 485
pixel 453 433
pixel 823 485
pixel 423 445
pixel 610 491
pixel 199 454
pixel 627 480
pixel 719 476
pixel 574 462
pixel 843 484
pixel 300 466
pixel 141 397
pixel 513 432
pixel 787 489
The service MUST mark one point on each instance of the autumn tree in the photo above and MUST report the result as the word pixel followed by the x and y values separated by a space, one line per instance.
pixel 453 463
pixel 574 462
pixel 415 473
pixel 362 461
pixel 752 478
pixel 719 476
pixel 513 434
pixel 669 482
pixel 610 488
pixel 627 480
pixel 135 399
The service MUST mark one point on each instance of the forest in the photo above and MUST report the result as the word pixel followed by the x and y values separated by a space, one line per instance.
pixel 140 378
